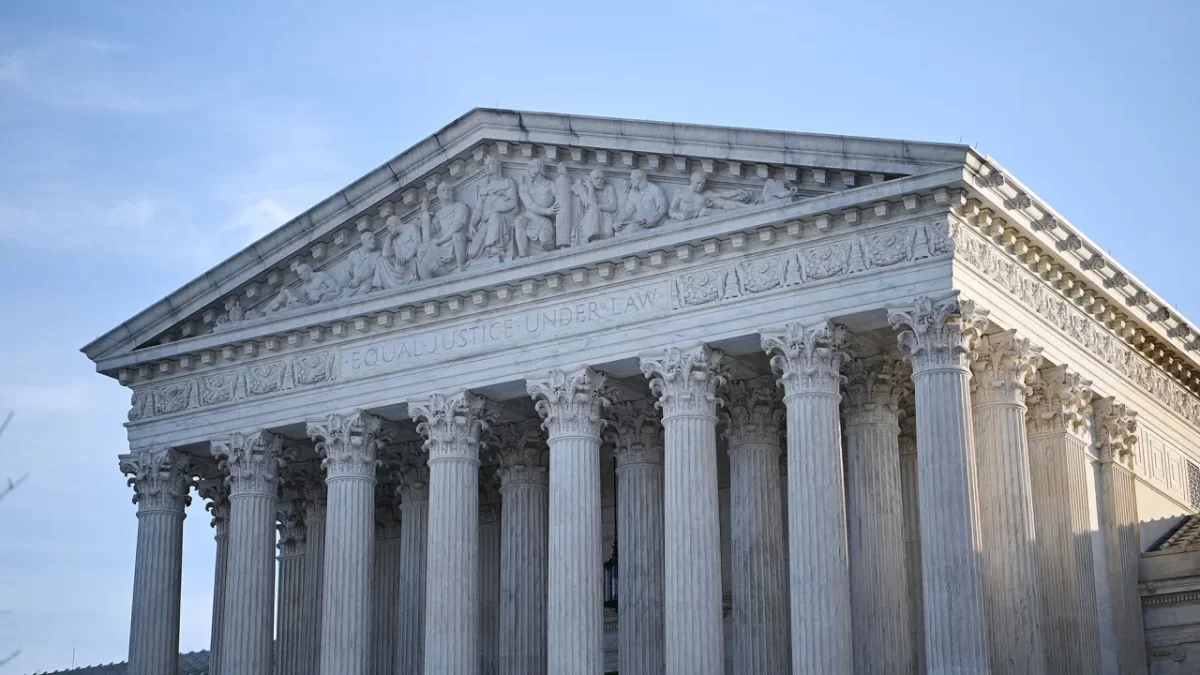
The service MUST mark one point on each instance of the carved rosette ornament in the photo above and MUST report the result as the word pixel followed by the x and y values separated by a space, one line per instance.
pixel 1059 401
pixel 570 402
pixel 347 443
pixel 938 334
pixel 451 424
pixel 808 360
pixel 521 453
pixel 252 462
pixel 160 479
pixel 686 381
pixel 754 414
pixel 1116 431
pixel 874 389
pixel 1004 366
pixel 215 491
pixel 636 432
pixel 289 517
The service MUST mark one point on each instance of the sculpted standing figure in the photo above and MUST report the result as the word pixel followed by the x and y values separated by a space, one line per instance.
pixel 491 219
pixel 694 202
pixel 535 225
pixel 599 201
pixel 645 204
pixel 444 233
pixel 363 266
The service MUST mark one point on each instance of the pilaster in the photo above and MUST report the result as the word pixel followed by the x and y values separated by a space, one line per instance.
pixel 937 337
pixel 809 361
pixel 570 405
pixel 686 382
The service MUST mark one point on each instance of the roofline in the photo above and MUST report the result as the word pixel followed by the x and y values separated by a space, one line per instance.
pixel 666 138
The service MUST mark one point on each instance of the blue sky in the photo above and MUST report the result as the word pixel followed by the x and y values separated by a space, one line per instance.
pixel 145 141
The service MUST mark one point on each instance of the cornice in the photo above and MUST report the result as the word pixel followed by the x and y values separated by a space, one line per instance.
pixel 1006 211
pixel 743 231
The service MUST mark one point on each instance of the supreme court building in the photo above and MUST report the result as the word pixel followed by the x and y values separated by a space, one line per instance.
pixel 560 395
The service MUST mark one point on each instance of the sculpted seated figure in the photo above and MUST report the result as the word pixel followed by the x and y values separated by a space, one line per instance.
pixel 316 286
pixel 694 202
pixel 443 234
pixel 364 267
pixel 645 204
pixel 491 219
pixel 599 200
pixel 534 227
pixel 401 249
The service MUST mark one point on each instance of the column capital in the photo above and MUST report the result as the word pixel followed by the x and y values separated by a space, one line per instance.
pixel 215 491
pixel 451 424
pixel 636 432
pixel 874 387
pixel 938 334
pixel 754 414
pixel 521 454
pixel 570 403
pixel 1116 431
pixel 412 473
pixel 387 516
pixel 489 494
pixel 908 431
pixel 686 380
pixel 289 515
pixel 348 444
pixel 1003 366
pixel 251 460
pixel 309 482
pixel 160 478
pixel 808 360
pixel 1059 402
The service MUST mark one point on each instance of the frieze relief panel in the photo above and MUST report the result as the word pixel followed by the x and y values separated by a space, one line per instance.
pixel 1075 324
pixel 507 210
pixel 813 263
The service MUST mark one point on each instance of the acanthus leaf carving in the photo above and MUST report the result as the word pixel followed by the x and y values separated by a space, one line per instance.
pixel 215 491
pixel 348 443
pixel 452 425
pixel 160 478
pixel 412 472
pixel 636 432
pixel 1060 402
pixel 940 333
pixel 686 381
pixel 521 453
pixel 808 359
pixel 289 521
pixel 874 388
pixel 251 461
pixel 1003 366
pixel 754 413
pixel 570 403
pixel 1116 431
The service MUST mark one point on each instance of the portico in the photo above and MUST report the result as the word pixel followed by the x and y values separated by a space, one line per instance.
pixel 568 359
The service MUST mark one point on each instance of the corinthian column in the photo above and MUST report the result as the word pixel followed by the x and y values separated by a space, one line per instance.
pixel 912 536
pixel 875 515
pixel 489 571
pixel 938 343
pixel 414 529
pixel 315 509
pixel 348 445
pixel 809 362
pixel 685 382
pixel 760 622
pixel 385 585
pixel 1003 366
pixel 451 425
pixel 570 405
pixel 160 482
pixel 637 437
pixel 216 492
pixel 1059 432
pixel 253 462
pixel 1116 429
pixel 290 652
pixel 524 537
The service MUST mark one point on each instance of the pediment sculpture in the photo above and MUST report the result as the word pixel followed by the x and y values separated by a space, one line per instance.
pixel 509 218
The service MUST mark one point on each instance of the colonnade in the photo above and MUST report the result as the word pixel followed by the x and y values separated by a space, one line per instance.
pixel 881 532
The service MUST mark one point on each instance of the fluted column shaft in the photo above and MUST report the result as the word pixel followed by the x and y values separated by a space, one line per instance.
pixel 1003 365
pixel 1116 427
pixel 253 462
pixel 290 650
pixel 638 440
pixel 348 446
pixel 938 338
pixel 1057 426
pixel 875 521
pixel 316 507
pixel 912 542
pixel 524 541
pixel 216 492
pixel 385 625
pixel 160 484
pixel 809 362
pixel 451 425
pixel 686 382
pixel 489 589
pixel 414 556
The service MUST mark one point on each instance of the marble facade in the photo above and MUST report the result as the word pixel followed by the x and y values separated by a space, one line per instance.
pixel 847 405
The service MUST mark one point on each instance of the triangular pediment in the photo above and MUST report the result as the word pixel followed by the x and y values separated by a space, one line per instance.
pixel 514 186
